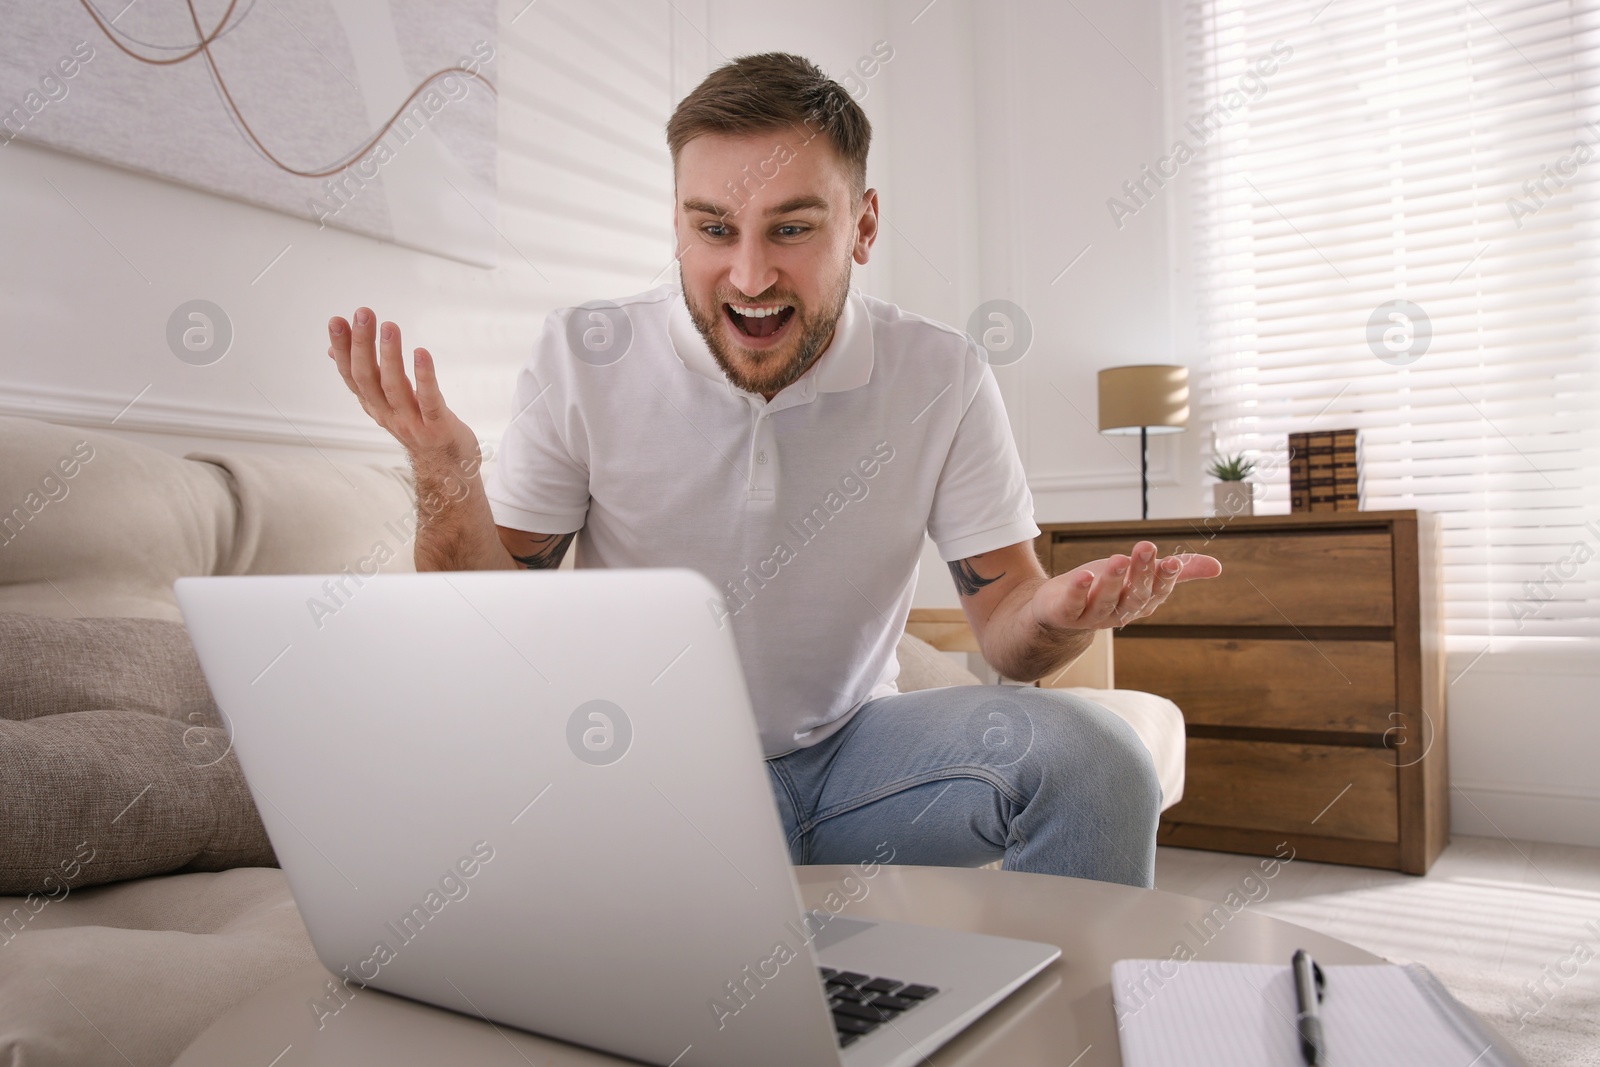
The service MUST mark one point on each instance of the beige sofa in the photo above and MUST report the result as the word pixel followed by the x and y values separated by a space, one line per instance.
pixel 143 901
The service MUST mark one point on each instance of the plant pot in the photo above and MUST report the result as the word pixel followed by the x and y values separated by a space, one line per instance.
pixel 1234 498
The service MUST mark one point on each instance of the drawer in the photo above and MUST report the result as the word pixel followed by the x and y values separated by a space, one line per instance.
pixel 1268 579
pixel 1328 790
pixel 1289 684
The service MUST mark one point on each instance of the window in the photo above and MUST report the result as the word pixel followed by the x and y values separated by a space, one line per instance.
pixel 1396 225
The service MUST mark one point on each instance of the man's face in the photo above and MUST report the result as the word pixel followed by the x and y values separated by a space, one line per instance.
pixel 767 226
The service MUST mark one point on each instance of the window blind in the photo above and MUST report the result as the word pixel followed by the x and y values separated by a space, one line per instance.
pixel 1396 219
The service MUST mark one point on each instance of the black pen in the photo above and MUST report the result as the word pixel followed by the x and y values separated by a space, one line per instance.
pixel 1307 995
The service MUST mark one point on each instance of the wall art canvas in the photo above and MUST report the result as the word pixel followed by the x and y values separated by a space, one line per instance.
pixel 377 116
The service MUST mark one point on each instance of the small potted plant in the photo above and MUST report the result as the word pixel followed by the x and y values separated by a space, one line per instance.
pixel 1232 494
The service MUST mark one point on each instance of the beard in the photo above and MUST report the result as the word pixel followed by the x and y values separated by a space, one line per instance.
pixel 780 367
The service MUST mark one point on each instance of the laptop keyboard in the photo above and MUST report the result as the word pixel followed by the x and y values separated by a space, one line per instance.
pixel 861 1003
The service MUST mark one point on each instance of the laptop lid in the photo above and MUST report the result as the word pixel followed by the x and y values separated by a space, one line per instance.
pixel 533 796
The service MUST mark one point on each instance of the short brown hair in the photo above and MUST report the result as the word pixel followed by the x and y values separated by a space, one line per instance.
pixel 772 90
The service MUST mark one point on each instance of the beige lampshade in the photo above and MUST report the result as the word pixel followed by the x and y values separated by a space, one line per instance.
pixel 1150 395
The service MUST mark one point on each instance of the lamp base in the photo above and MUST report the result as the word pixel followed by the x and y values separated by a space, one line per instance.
pixel 1144 472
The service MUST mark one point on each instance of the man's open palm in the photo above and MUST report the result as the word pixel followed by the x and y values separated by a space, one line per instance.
pixel 1115 591
pixel 370 361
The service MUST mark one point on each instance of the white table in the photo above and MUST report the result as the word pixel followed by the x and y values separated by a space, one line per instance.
pixel 1063 1012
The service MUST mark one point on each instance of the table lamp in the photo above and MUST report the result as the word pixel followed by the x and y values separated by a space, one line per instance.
pixel 1144 398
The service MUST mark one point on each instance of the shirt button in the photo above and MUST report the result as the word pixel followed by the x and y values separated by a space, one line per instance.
pixel 761 457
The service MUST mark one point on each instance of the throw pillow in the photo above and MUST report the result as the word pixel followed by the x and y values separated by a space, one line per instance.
pixel 54 666
pixel 99 796
pixel 116 759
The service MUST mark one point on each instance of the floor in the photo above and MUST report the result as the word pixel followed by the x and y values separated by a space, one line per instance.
pixel 1511 927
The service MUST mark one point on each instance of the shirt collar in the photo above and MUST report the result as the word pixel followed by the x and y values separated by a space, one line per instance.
pixel 845 364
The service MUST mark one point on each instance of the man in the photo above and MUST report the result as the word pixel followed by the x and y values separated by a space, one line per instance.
pixel 793 440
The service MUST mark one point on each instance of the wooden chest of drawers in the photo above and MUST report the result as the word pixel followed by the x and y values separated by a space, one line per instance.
pixel 1311 678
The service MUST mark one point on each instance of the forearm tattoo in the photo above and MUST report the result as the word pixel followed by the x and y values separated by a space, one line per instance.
pixel 548 557
pixel 968 580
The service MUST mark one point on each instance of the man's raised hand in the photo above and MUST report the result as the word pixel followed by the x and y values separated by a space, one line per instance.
pixel 1115 591
pixel 370 362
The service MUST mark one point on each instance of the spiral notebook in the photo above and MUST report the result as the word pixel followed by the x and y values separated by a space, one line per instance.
pixel 1242 1015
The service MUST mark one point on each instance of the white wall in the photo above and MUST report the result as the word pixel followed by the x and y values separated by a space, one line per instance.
pixel 98 257
pixel 1012 122
pixel 1524 735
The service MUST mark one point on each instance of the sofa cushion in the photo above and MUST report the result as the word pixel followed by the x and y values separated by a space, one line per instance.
pixel 924 667
pixel 311 515
pixel 148 965
pixel 97 525
pixel 100 525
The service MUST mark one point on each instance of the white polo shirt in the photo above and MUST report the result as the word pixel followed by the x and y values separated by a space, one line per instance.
pixel 807 511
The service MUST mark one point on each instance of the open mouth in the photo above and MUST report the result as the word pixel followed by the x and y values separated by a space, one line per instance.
pixel 759 321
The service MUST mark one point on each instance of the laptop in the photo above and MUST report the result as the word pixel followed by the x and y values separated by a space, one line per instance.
pixel 538 797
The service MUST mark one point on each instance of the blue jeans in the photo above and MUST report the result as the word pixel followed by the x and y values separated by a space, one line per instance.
pixel 961 776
